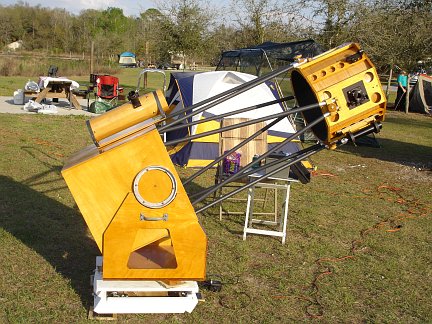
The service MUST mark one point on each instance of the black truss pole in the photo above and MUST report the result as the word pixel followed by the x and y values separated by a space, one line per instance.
pixel 246 172
pixel 234 112
pixel 246 123
pixel 215 100
pixel 262 157
pixel 211 164
pixel 226 128
pixel 234 192
pixel 225 154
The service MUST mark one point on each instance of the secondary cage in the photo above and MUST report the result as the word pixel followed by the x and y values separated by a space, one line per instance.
pixel 347 81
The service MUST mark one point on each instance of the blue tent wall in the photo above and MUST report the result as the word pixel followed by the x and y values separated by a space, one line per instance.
pixel 183 84
pixel 127 54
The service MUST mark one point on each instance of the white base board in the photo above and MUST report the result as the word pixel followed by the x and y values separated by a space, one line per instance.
pixel 125 296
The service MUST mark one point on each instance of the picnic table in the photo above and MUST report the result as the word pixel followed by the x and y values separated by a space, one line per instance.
pixel 57 88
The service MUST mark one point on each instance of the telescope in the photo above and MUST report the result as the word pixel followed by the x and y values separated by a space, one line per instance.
pixel 153 249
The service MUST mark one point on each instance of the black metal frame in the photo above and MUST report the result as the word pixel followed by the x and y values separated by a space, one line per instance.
pixel 280 164
pixel 231 113
pixel 247 170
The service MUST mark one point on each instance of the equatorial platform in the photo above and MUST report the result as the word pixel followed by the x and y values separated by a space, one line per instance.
pixel 141 296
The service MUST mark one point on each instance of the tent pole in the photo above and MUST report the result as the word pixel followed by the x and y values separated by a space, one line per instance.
pixel 278 87
pixel 407 95
pixel 389 81
pixel 246 123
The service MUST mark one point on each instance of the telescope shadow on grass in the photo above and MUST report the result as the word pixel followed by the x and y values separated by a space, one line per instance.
pixel 56 232
pixel 407 154
pixel 418 121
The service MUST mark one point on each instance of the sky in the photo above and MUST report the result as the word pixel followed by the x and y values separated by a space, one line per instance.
pixel 130 7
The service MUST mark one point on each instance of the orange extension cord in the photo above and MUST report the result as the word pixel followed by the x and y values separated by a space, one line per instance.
pixel 415 209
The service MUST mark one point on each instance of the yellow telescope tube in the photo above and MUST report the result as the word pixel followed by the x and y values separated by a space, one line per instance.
pixel 346 79
pixel 125 116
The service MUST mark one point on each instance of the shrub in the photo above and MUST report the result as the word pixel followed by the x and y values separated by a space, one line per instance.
pixel 32 65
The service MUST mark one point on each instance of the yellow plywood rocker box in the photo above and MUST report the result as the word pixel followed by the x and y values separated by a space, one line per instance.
pixel 133 201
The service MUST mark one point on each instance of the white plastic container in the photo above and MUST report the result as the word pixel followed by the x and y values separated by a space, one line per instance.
pixel 19 97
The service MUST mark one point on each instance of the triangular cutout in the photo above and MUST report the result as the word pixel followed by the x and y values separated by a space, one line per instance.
pixel 152 250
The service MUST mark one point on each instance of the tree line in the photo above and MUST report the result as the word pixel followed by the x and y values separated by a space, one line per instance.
pixel 393 32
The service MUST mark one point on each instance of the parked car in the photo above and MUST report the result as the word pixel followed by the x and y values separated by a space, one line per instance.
pixel 165 66
pixel 169 66
pixel 414 76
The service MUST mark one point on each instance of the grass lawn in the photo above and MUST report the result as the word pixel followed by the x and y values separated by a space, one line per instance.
pixel 358 242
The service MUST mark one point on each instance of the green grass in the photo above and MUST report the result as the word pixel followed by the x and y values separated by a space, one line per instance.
pixel 47 253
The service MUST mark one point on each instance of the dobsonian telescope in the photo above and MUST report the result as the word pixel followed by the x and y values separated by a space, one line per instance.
pixel 136 207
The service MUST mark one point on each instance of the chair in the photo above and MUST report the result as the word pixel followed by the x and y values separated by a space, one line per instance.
pixel 231 138
pixel 52 71
pixel 279 182
pixel 107 88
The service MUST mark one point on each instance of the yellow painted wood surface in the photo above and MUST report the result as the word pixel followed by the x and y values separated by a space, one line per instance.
pixel 185 247
pixel 328 75
pixel 99 183
pixel 154 186
pixel 145 237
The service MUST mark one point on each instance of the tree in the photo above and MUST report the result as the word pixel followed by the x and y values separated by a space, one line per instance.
pixel 263 20
pixel 390 31
pixel 394 32
pixel 113 20
pixel 186 26
pixel 150 34
pixel 332 17
pixel 7 27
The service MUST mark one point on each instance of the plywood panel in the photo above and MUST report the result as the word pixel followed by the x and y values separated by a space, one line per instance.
pixel 233 137
pixel 100 181
pixel 135 239
pixel 185 234
pixel 242 132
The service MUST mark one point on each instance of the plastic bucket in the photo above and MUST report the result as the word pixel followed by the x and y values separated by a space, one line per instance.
pixel 18 97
